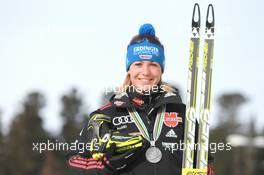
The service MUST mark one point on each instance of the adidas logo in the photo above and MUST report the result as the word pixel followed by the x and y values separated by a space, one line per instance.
pixel 171 133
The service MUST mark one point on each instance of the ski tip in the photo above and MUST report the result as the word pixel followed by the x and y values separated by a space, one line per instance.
pixel 196 18
pixel 196 4
pixel 210 18
pixel 210 5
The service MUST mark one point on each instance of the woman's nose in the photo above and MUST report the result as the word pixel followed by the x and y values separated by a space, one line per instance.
pixel 145 70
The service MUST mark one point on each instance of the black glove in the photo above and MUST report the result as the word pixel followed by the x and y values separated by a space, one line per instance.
pixel 117 144
pixel 121 160
pixel 114 153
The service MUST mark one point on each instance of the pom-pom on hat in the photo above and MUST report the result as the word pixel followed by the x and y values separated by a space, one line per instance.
pixel 147 29
pixel 146 46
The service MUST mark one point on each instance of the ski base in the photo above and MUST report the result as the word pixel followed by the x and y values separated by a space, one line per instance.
pixel 194 171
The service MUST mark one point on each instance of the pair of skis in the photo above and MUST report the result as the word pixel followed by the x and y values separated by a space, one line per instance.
pixel 192 114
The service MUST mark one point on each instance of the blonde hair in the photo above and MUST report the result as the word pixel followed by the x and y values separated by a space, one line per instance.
pixel 127 83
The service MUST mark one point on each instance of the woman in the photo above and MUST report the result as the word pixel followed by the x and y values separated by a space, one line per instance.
pixel 140 130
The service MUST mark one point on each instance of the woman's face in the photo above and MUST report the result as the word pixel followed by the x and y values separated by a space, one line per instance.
pixel 145 74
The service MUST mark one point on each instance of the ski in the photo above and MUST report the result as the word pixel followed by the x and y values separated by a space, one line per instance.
pixel 205 101
pixel 190 121
pixel 205 96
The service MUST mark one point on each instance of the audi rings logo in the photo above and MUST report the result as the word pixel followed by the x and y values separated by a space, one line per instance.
pixel 122 120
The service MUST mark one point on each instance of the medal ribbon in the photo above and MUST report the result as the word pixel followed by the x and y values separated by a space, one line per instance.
pixel 142 127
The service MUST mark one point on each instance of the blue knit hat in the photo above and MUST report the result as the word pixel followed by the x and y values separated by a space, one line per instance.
pixel 145 50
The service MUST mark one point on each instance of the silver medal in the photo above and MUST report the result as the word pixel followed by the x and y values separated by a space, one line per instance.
pixel 153 154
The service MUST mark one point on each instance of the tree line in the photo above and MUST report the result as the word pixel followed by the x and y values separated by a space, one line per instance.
pixel 17 156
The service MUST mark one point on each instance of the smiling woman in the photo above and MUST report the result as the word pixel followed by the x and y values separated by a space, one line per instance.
pixel 145 74
pixel 140 130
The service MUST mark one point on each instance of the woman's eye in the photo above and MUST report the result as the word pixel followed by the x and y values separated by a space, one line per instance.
pixel 154 64
pixel 138 64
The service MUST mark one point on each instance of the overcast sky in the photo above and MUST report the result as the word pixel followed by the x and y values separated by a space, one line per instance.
pixel 54 45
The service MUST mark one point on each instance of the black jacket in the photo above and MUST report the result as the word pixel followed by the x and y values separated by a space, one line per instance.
pixel 169 142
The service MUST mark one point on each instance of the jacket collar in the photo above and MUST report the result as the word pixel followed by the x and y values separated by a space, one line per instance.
pixel 122 100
